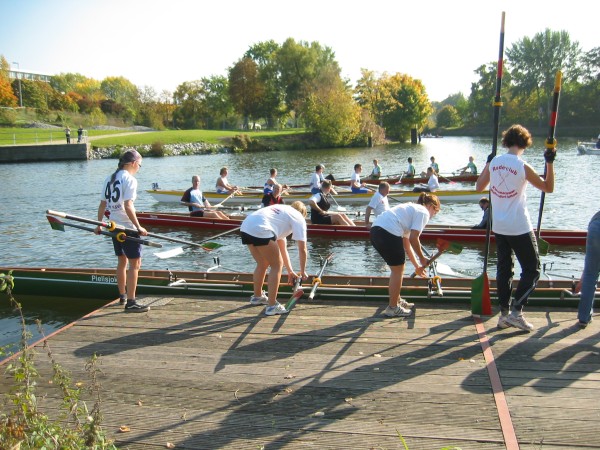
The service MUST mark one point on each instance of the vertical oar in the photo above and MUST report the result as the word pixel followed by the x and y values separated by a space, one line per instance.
pixel 550 145
pixel 480 288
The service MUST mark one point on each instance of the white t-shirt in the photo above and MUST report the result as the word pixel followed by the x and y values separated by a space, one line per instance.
pixel 401 219
pixel 275 220
pixel 508 189
pixel 116 193
pixel 379 203
pixel 433 183
pixel 316 180
pixel 354 178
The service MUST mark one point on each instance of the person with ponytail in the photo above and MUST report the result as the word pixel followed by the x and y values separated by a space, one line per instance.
pixel 395 234
pixel 119 191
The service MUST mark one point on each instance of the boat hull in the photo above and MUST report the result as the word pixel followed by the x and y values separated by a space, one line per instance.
pixel 587 148
pixel 431 232
pixel 101 284
pixel 343 198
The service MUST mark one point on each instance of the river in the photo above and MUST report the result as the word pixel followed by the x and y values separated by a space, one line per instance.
pixel 29 189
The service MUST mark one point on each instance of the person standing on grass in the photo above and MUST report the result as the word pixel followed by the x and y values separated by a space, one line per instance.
pixel 378 203
pixel 508 176
pixel 395 234
pixel 119 191
pixel 265 232
pixel 589 277
pixel 68 134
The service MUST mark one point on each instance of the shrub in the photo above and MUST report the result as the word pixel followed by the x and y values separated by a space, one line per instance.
pixel 8 116
pixel 157 149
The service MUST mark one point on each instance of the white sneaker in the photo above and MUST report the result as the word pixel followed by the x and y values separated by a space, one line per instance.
pixel 404 303
pixel 398 311
pixel 277 308
pixel 262 300
pixel 519 322
pixel 503 322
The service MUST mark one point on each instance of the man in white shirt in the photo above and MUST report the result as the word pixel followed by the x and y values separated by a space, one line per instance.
pixel 379 202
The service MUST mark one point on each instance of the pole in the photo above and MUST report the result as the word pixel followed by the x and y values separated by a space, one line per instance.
pixel 19 81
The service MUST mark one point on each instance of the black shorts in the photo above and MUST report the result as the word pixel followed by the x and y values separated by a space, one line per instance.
pixel 132 250
pixel 199 213
pixel 319 219
pixel 248 239
pixel 390 247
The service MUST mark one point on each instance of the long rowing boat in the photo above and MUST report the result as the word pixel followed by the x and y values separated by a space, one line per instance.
pixel 101 284
pixel 431 232
pixel 397 179
pixel 343 198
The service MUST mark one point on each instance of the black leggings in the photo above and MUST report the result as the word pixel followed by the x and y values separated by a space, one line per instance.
pixel 525 248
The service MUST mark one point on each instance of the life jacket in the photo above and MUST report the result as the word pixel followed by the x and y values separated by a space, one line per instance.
pixel 323 204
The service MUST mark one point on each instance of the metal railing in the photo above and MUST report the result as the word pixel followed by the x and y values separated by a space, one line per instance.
pixel 41 136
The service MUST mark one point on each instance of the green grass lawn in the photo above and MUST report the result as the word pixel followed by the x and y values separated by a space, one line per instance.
pixel 18 135
pixel 184 136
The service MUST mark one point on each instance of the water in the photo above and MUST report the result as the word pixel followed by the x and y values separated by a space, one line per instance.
pixel 28 190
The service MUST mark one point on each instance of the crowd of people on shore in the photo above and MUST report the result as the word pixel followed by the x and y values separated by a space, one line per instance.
pixel 394 232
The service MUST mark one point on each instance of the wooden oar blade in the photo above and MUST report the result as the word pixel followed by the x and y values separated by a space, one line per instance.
pixel 56 223
pixel 481 303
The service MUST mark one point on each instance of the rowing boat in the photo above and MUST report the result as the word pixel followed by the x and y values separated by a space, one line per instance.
pixel 431 232
pixel 343 198
pixel 101 284
pixel 466 178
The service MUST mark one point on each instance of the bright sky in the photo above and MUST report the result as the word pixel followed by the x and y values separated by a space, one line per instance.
pixel 162 43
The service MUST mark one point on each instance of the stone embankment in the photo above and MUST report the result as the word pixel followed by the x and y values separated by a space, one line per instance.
pixel 191 148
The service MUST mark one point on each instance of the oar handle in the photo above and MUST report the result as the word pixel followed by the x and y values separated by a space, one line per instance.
pixel 432 259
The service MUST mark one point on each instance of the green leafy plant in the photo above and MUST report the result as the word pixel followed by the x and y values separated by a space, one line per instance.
pixel 23 425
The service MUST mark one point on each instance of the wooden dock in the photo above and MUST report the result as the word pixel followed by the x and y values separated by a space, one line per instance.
pixel 216 373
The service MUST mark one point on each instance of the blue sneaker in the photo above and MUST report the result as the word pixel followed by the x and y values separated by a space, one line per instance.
pixel 277 308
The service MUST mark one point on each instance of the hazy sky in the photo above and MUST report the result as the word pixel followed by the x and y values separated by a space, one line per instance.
pixel 164 43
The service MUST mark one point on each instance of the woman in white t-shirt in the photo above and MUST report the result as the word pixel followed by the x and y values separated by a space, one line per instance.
pixel 119 191
pixel 508 176
pixel 265 232
pixel 395 234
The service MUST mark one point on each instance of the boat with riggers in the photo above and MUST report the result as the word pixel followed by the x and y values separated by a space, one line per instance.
pixel 587 148
pixel 343 197
pixel 397 179
pixel 96 283
pixel 447 232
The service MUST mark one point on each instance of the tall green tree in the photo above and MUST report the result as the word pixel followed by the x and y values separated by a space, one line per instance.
pixel 300 64
pixel 246 90
pixel 67 82
pixel 534 62
pixel 189 108
pixel 218 107
pixel 331 112
pixel 7 95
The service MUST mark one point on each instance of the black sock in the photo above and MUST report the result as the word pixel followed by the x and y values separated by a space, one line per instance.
pixel 130 301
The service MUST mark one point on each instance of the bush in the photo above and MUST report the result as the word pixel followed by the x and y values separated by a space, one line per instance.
pixel 157 149
pixel 8 116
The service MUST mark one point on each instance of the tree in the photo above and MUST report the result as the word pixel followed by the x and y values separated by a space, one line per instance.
pixel 246 90
pixel 331 113
pixel 264 55
pixel 300 64
pixel 535 61
pixel 216 101
pixel 188 111
pixel 7 95
pixel 67 82
pixel 122 91
pixel 448 117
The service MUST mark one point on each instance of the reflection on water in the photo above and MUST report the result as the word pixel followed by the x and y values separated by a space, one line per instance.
pixel 28 190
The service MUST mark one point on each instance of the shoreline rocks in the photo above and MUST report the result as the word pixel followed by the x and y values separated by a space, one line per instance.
pixel 184 149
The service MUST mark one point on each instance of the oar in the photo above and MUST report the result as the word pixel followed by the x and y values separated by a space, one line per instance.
pixel 442 246
pixel 550 145
pixel 339 208
pixel 204 245
pixel 112 226
pixel 297 293
pixel 317 279
pixel 447 179
pixel 481 302
pixel 120 236
pixel 218 205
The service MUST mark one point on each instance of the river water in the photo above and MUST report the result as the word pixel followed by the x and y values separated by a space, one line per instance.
pixel 28 190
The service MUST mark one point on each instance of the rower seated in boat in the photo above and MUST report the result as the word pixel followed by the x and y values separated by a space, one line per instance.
pixel 432 182
pixel 274 197
pixel 194 199
pixel 319 207
pixel 268 188
pixel 222 186
pixel 469 168
pixel 355 185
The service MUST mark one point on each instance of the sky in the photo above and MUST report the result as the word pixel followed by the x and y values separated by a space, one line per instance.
pixel 162 43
